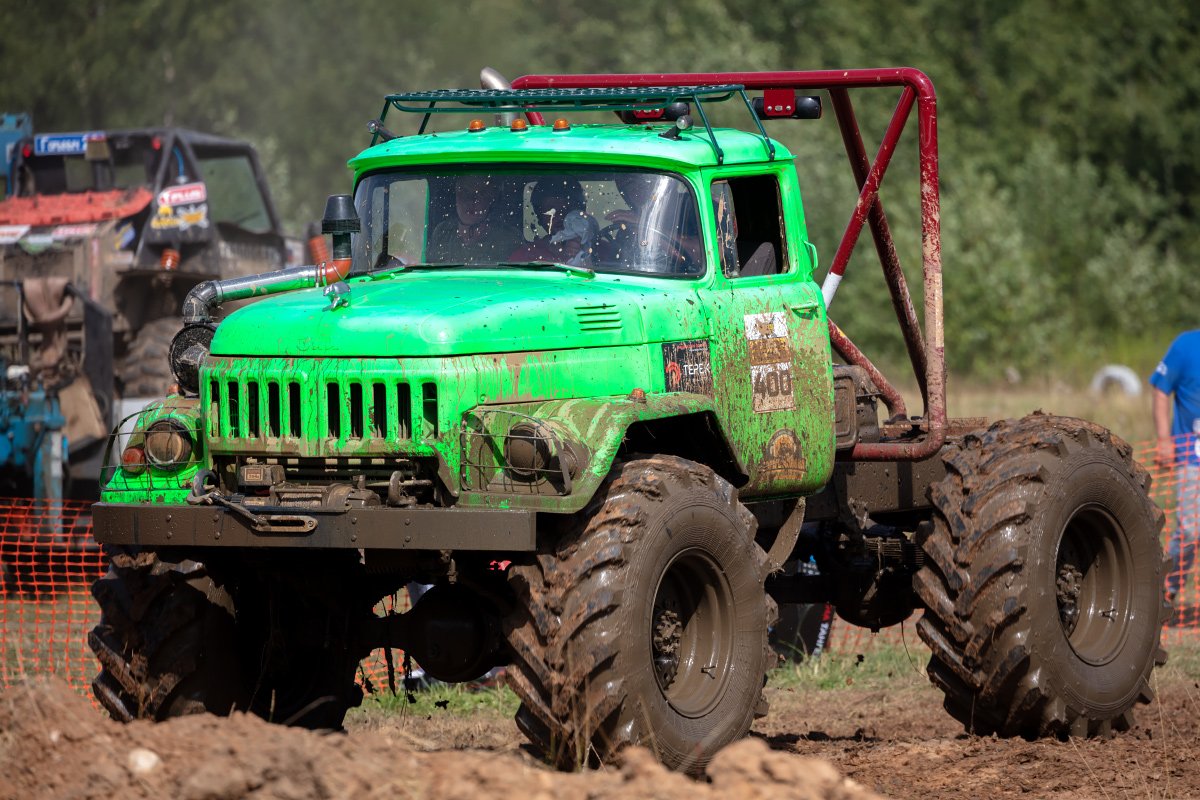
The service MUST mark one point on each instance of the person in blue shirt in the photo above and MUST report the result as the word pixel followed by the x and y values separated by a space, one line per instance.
pixel 1179 447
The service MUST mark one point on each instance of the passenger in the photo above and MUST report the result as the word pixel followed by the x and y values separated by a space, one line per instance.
pixel 477 236
pixel 572 235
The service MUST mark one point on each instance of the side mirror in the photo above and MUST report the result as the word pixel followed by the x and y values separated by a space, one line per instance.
pixel 786 104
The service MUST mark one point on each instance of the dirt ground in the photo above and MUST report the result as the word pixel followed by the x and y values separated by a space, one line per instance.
pixel 54 744
pixel 893 740
pixel 902 744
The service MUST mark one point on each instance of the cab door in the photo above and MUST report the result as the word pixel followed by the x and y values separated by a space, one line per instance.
pixel 771 360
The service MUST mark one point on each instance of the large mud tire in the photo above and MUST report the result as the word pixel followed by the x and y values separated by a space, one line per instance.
pixel 645 624
pixel 1043 581
pixel 164 641
pixel 145 370
pixel 173 640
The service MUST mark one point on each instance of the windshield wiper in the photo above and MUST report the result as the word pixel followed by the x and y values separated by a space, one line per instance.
pixel 582 272
pixel 398 267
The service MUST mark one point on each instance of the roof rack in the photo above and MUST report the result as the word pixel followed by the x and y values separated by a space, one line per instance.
pixel 615 99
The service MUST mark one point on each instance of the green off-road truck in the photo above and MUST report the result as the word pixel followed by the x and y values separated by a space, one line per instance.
pixel 580 378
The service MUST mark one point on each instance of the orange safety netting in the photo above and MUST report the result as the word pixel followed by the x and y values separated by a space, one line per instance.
pixel 48 562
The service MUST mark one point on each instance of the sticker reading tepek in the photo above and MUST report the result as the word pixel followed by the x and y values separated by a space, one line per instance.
pixel 687 367
pixel 770 362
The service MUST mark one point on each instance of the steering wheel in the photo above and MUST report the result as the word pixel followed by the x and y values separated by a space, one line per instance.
pixel 620 235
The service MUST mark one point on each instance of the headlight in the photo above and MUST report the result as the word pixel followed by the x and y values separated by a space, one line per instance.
pixel 532 452
pixel 168 444
pixel 527 451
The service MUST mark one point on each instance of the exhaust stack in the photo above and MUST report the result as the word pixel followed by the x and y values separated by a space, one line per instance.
pixel 191 345
pixel 491 79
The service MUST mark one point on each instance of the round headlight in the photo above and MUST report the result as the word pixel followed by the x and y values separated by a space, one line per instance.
pixel 168 444
pixel 527 450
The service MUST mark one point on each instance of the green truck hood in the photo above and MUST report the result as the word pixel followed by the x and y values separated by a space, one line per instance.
pixel 458 311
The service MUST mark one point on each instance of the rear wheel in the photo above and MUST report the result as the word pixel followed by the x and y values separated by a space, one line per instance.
pixel 647 624
pixel 1043 580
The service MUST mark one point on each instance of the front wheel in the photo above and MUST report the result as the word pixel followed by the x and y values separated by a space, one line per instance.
pixel 646 624
pixel 176 638
pixel 1043 580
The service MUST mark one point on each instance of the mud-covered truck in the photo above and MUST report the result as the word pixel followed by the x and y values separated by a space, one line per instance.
pixel 580 378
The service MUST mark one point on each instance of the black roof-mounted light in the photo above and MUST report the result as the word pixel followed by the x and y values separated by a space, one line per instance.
pixel 786 104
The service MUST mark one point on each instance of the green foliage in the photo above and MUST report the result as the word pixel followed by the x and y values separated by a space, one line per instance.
pixel 1070 132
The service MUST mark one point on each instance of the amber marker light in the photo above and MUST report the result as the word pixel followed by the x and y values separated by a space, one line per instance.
pixel 562 125
pixel 519 126
pixel 476 126
pixel 133 460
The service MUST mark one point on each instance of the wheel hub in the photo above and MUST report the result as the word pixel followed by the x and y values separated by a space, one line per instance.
pixel 1068 596
pixel 666 639
pixel 692 633
pixel 1094 585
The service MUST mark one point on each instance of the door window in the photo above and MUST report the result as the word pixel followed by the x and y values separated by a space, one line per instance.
pixel 750 229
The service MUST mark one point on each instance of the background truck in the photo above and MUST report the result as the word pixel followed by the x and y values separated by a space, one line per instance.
pixel 117 224
pixel 598 352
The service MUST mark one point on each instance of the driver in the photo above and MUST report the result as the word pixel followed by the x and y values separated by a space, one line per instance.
pixel 658 232
pixel 475 236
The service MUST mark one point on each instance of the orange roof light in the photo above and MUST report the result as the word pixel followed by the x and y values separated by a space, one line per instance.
pixel 561 125
pixel 519 125
pixel 476 126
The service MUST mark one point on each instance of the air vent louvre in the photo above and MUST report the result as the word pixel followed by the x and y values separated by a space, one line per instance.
pixel 599 318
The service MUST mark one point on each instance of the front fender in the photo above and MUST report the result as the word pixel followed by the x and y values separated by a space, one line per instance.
pixel 590 431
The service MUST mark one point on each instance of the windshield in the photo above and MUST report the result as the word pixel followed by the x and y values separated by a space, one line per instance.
pixel 233 194
pixel 608 221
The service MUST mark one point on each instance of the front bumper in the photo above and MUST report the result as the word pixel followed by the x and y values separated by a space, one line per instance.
pixel 365 528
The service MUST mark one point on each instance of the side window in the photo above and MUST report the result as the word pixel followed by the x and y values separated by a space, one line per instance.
pixel 393 223
pixel 750 230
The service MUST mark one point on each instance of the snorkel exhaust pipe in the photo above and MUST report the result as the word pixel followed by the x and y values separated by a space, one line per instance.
pixel 491 79
pixel 191 345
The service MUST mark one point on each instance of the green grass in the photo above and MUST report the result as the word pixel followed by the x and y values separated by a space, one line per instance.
pixel 460 699
pixel 881 667
pixel 891 667
pixel 1183 662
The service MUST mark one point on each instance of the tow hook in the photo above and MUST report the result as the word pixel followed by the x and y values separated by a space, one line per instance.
pixel 201 494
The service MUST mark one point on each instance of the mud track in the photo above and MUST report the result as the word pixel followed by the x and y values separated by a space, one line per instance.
pixel 895 741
